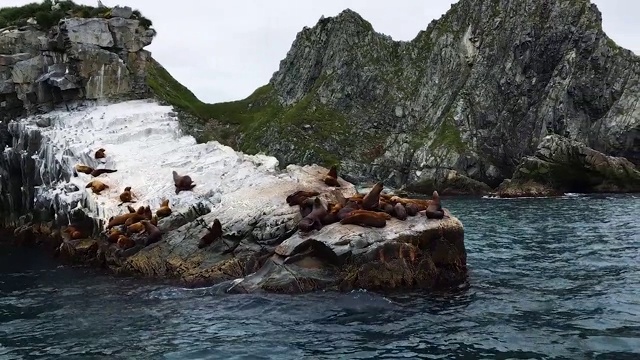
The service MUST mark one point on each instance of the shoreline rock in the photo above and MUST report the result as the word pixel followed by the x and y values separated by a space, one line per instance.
pixel 561 165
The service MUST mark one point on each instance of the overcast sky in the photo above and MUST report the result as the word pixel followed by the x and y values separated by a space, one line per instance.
pixel 223 50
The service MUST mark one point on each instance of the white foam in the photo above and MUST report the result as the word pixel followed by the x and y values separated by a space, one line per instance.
pixel 144 143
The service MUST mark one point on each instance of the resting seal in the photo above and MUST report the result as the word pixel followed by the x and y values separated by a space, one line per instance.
pixel 365 219
pixel 126 195
pixel 182 183
pixel 164 209
pixel 125 243
pixel 97 186
pixel 434 210
pixel 331 179
pixel 214 233
pixel 314 219
pixel 400 211
pixel 99 154
pixel 154 233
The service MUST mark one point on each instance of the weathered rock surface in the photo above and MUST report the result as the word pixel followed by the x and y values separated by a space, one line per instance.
pixel 563 165
pixel 473 93
pixel 40 192
pixel 79 59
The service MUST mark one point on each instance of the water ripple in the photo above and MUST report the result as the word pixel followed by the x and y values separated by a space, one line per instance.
pixel 550 279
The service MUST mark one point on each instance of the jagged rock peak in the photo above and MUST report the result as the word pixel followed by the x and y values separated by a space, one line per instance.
pixel 472 94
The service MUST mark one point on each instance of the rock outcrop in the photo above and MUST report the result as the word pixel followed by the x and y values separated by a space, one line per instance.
pixel 562 165
pixel 78 59
pixel 259 248
pixel 456 107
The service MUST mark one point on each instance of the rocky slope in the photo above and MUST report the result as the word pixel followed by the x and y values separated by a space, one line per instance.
pixel 456 108
pixel 561 165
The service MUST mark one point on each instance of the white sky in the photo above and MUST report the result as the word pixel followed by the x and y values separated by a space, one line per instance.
pixel 223 50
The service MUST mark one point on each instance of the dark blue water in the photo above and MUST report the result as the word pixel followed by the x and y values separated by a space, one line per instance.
pixel 550 278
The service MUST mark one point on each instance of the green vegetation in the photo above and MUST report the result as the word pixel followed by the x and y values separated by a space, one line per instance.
pixel 46 17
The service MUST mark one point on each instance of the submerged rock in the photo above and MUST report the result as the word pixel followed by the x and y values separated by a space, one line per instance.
pixel 562 165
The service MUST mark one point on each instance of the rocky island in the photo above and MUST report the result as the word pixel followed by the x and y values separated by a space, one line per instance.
pixel 93 163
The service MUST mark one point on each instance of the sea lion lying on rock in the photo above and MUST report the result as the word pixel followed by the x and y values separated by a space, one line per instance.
pixel 314 219
pixel 213 233
pixel 434 210
pixel 331 179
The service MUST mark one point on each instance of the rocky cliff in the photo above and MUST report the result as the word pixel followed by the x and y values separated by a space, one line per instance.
pixel 457 107
pixel 77 60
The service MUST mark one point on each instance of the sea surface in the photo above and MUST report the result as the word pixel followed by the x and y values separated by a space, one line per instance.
pixel 549 279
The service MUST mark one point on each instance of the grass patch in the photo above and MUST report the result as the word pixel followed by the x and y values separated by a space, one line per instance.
pixel 46 17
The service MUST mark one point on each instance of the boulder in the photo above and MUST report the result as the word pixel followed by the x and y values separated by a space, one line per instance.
pixel 128 35
pixel 121 12
pixel 563 165
pixel 92 31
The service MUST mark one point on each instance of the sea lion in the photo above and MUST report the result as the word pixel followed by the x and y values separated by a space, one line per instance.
pixel 164 209
pixel 214 233
pixel 73 233
pixel 131 209
pixel 371 201
pixel 83 169
pixel 388 208
pixel 332 214
pixel 365 219
pixel 381 215
pixel 125 243
pixel 306 207
pixel 154 233
pixel 97 186
pixel 126 196
pixel 400 211
pixel 421 204
pixel 147 213
pixel 314 219
pixel 98 172
pixel 135 227
pixel 122 219
pixel 434 210
pixel 300 196
pixel 412 209
pixel 154 220
pixel 182 183
pixel 99 154
pixel 331 179
pixel 113 236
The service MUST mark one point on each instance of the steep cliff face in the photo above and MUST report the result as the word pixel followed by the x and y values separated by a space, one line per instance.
pixel 75 61
pixel 463 102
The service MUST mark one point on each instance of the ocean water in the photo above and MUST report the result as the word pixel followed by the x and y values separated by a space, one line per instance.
pixel 549 279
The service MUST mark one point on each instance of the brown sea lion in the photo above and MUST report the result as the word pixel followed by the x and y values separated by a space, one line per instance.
pixel 131 209
pixel 126 196
pixel 314 219
pixel 125 243
pixel 332 214
pixel 300 196
pixel 306 207
pixel 164 209
pixel 182 183
pixel 379 214
pixel 99 154
pixel 154 220
pixel 364 219
pixel 97 186
pixel 331 179
pixel 214 233
pixel 73 232
pixel 420 203
pixel 388 208
pixel 113 236
pixel 400 211
pixel 371 201
pixel 434 210
pixel 83 169
pixel 135 228
pixel 98 172
pixel 154 234
pixel 412 209
pixel 148 214
pixel 122 219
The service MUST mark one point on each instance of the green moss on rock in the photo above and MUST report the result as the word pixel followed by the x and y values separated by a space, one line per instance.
pixel 46 17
